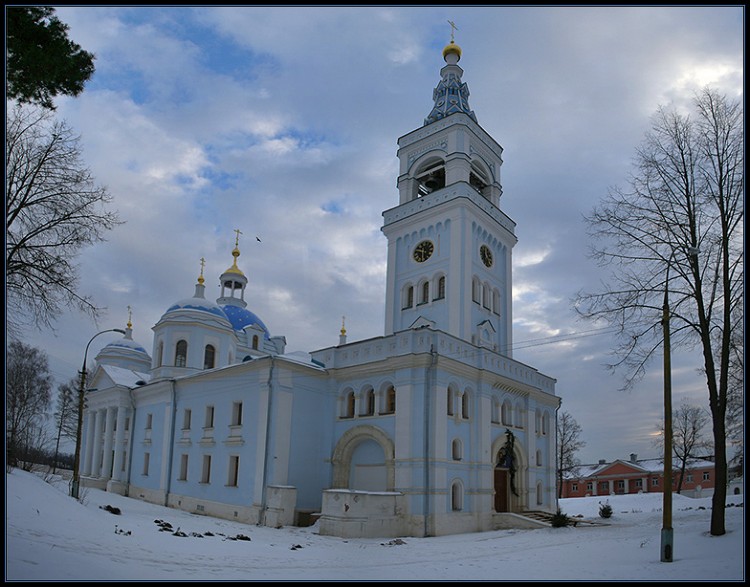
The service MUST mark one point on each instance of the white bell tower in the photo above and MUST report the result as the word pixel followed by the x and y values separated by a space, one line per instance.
pixel 449 245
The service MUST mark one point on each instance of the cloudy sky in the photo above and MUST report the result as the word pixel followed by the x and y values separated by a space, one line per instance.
pixel 283 122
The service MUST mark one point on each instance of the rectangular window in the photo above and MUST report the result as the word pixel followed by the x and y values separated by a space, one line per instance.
pixel 209 423
pixel 146 459
pixel 187 416
pixel 621 484
pixel 574 487
pixel 639 483
pixel 206 473
pixel 589 486
pixel 654 481
pixel 690 477
pixel 149 421
pixel 127 423
pixel 237 414
pixel 706 476
pixel 234 468
pixel 183 468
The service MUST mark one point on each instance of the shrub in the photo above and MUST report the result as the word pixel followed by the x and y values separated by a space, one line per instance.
pixel 560 520
pixel 605 510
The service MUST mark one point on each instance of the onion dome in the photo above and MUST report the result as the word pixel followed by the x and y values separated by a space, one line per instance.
pixel 196 308
pixel 125 353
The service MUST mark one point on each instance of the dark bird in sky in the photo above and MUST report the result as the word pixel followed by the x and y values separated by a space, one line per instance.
pixel 257 238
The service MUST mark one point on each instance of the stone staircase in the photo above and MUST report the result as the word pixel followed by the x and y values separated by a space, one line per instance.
pixel 545 517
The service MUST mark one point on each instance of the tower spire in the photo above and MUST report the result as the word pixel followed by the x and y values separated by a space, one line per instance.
pixel 451 94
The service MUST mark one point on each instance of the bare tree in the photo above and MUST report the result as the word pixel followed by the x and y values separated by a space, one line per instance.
pixel 678 231
pixel 688 441
pixel 568 444
pixel 53 209
pixel 27 396
pixel 66 415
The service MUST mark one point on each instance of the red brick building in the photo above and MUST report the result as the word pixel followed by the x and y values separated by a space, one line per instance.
pixel 645 476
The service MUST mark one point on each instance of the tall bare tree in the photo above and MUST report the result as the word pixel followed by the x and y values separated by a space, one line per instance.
pixel 568 444
pixel 66 415
pixel 53 210
pixel 688 441
pixel 27 397
pixel 677 231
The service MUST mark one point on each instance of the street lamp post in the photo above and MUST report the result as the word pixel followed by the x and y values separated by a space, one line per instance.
pixel 667 532
pixel 74 487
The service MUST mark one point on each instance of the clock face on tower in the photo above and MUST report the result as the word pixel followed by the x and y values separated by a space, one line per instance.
pixel 423 251
pixel 486 255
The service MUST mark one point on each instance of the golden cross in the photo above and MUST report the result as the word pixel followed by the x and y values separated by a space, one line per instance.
pixel 454 28
pixel 130 317
pixel 343 328
pixel 237 240
pixel 203 264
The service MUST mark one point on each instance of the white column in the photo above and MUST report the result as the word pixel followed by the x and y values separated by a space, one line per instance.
pixel 90 438
pixel 118 473
pixel 108 436
pixel 96 462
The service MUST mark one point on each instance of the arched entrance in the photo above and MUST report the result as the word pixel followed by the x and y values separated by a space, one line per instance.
pixel 363 460
pixel 509 474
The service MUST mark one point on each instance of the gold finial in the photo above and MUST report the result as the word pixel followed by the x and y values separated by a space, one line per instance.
pixel 200 277
pixel 130 317
pixel 343 328
pixel 237 239
pixel 452 47
pixel 454 28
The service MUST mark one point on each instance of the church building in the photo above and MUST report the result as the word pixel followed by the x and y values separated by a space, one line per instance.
pixel 430 429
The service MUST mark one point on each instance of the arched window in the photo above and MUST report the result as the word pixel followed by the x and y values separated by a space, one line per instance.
pixel 160 353
pixel 457 449
pixel 425 293
pixel 486 296
pixel 255 342
pixel 465 405
pixel 409 297
pixel 450 401
pixel 538 458
pixel 476 291
pixel 506 417
pixel 539 494
pixel 496 302
pixel 390 400
pixel 180 354
pixel 440 288
pixel 457 496
pixel 495 416
pixel 349 406
pixel 545 423
pixel 369 403
pixel 209 357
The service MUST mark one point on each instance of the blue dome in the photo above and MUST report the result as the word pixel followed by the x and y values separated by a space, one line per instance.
pixel 242 317
pixel 198 304
pixel 128 345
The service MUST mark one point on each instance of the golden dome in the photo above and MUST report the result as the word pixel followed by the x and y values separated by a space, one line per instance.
pixel 452 48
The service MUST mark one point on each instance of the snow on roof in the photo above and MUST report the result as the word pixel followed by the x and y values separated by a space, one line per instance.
pixel 124 377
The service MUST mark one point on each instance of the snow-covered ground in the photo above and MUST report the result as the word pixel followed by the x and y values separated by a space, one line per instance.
pixel 51 537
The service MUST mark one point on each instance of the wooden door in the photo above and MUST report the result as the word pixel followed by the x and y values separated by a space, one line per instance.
pixel 501 490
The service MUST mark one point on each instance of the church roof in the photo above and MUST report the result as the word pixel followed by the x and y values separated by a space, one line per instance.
pixel 241 318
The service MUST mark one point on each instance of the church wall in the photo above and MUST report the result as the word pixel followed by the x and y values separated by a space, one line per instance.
pixel 309 466
pixel 230 446
pixel 150 447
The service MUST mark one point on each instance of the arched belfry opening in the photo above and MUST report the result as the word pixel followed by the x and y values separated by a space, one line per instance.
pixel 430 177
